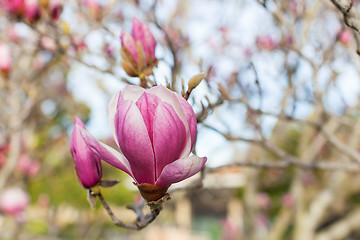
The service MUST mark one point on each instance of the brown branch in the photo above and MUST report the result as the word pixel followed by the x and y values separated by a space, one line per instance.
pixel 141 221
pixel 351 18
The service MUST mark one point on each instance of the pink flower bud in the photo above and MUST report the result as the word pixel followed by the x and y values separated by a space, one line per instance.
pixel 78 42
pixel 14 6
pixel 345 36
pixel 87 164
pixel 13 201
pixel 163 125
pixel 32 9
pixel 55 7
pixel 128 42
pixel 5 57
pixel 48 43
pixel 266 42
pixel 141 32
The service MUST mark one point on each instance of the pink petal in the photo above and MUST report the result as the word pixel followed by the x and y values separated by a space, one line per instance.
pixel 190 117
pixel 131 92
pixel 134 142
pixel 5 57
pixel 128 42
pixel 169 136
pixel 112 108
pixel 170 97
pixel 147 105
pixel 106 153
pixel 149 43
pixel 180 169
pixel 137 30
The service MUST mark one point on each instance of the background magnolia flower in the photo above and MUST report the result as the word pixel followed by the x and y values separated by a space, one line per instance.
pixel 155 130
pixel 87 164
pixel 138 49
pixel 13 201
pixel 32 9
pixel 5 57
pixel 345 36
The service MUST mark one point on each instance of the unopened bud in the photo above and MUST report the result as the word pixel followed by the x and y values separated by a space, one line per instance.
pixel 195 81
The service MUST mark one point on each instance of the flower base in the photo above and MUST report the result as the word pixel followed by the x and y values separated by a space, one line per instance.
pixel 151 192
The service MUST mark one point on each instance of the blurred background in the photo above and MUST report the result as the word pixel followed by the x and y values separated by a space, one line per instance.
pixel 278 116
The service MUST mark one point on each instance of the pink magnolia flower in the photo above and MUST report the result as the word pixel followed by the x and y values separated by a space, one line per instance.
pixel 140 33
pixel 87 164
pixel 5 57
pixel 13 201
pixel 155 130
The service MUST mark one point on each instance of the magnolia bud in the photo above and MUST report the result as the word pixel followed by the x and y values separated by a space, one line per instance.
pixel 195 80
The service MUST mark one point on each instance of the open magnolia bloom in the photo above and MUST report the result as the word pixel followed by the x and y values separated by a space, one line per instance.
pixel 155 130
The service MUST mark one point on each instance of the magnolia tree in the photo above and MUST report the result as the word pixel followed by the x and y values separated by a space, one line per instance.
pixel 274 84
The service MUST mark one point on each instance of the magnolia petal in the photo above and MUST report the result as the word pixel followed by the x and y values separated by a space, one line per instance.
pixel 106 153
pixel 169 136
pixel 137 30
pixel 170 97
pixel 147 105
pixel 180 169
pixel 134 142
pixel 112 108
pixel 131 92
pixel 190 117
pixel 129 44
pixel 149 43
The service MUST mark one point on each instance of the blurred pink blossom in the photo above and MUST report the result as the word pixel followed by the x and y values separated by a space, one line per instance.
pixel 12 33
pixel 55 7
pixel 288 200
pixel 13 201
pixel 266 42
pixel 5 57
pixel 94 7
pixel 345 36
pixel 48 43
pixel 14 6
pixel 32 9
pixel 78 42
pixel 109 51
pixel 263 200
pixel 28 166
